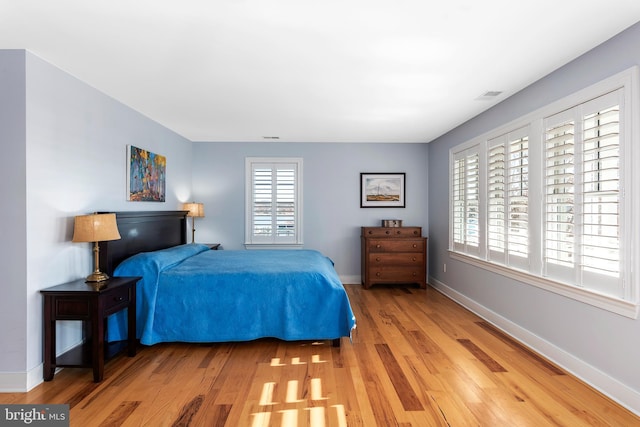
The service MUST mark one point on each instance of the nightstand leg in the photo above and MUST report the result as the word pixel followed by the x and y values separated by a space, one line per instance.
pixel 97 344
pixel 49 354
pixel 131 323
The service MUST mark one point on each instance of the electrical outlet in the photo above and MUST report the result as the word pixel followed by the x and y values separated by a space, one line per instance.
pixel 444 267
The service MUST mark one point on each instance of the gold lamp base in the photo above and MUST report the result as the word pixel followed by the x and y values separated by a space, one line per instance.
pixel 97 276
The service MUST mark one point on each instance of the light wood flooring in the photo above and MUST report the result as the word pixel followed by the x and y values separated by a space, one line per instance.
pixel 417 359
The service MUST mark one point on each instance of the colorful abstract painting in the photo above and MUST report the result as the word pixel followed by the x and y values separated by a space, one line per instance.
pixel 146 175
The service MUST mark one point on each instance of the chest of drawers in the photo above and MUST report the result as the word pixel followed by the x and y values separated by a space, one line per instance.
pixel 393 255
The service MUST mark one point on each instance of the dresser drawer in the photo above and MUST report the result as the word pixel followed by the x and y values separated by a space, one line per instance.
pixel 397 274
pixel 391 231
pixel 117 300
pixel 393 245
pixel 396 259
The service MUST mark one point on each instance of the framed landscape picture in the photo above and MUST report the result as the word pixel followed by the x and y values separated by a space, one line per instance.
pixel 382 190
pixel 146 175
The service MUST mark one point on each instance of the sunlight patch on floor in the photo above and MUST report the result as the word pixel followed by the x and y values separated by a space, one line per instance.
pixel 266 397
pixel 289 417
pixel 276 362
pixel 316 359
pixel 292 392
pixel 316 389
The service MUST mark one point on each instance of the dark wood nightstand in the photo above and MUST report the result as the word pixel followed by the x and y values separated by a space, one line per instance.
pixel 79 300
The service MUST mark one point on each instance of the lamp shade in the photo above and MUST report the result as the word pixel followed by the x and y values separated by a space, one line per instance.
pixel 95 228
pixel 195 209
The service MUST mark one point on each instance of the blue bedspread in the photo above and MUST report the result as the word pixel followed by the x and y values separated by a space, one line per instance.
pixel 192 294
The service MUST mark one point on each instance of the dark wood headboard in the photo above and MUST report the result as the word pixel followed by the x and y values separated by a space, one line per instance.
pixel 143 232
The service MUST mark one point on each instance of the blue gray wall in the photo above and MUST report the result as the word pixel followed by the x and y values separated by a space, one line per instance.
pixel 601 347
pixel 63 154
pixel 13 226
pixel 332 213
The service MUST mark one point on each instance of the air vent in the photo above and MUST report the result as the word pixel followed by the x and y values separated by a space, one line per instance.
pixel 270 137
pixel 489 95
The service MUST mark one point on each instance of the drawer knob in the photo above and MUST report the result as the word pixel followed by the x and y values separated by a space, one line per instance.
pixel 378 259
pixel 414 258
pixel 378 274
pixel 415 246
pixel 378 246
pixel 118 299
pixel 387 232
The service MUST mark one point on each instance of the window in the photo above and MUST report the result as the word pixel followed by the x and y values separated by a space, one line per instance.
pixel 273 210
pixel 582 196
pixel 543 198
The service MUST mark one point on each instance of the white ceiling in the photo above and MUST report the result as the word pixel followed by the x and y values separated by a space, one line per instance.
pixel 310 71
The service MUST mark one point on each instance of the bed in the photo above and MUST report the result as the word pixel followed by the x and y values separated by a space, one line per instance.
pixel 189 293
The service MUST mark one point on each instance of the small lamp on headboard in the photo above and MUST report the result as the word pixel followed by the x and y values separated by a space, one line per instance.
pixel 196 210
pixel 96 228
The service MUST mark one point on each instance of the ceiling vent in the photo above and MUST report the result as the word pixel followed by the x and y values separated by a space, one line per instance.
pixel 489 95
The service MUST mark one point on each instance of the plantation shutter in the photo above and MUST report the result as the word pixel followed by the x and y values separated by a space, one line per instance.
pixel 583 195
pixel 262 206
pixel 458 202
pixel 518 199
pixel 508 198
pixel 496 196
pixel 600 255
pixel 559 189
pixel 466 200
pixel 285 202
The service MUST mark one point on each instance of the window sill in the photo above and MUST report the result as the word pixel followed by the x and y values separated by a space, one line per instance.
pixel 273 245
pixel 605 302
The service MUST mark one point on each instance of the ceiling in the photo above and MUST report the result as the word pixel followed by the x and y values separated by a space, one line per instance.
pixel 310 71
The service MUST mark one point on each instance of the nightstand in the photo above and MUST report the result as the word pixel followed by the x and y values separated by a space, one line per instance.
pixel 79 300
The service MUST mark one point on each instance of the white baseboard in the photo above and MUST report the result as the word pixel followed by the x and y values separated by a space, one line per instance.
pixel 614 389
pixel 351 280
pixel 20 382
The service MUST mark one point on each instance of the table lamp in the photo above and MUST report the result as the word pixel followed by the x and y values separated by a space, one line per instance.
pixel 96 228
pixel 196 210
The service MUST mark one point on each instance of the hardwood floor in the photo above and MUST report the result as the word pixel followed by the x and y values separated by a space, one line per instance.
pixel 417 359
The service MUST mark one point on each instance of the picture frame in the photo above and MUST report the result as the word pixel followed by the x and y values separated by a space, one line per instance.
pixel 146 175
pixel 382 190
